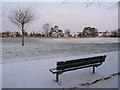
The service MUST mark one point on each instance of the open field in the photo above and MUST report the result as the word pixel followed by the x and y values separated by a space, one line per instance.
pixel 45 48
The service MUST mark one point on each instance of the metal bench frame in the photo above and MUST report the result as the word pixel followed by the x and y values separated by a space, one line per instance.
pixel 69 65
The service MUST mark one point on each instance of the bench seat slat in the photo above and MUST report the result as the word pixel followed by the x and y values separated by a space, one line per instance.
pixel 54 70
pixel 79 62
pixel 82 60
pixel 66 65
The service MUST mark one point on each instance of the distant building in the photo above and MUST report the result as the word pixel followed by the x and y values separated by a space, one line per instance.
pixel 10 34
pixel 100 34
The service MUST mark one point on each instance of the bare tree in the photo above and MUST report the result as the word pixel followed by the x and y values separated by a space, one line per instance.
pixel 21 17
pixel 47 28
pixel 67 32
pixel 98 3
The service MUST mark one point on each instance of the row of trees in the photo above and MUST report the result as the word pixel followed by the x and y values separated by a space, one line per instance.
pixel 87 32
pixel 52 31
pixel 55 31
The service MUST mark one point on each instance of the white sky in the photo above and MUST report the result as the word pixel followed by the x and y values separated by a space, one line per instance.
pixel 73 15
pixel 57 0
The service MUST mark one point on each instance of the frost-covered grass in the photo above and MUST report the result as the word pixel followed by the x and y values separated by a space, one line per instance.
pixel 45 48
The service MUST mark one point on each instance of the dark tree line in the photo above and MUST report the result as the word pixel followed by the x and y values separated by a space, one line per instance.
pixel 52 31
pixel 90 32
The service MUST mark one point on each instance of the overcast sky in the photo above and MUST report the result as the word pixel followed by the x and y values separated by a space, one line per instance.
pixel 73 16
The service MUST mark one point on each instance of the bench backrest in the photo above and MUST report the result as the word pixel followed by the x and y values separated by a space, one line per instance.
pixel 80 62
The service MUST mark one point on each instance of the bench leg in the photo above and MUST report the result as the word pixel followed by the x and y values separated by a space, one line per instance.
pixel 93 69
pixel 57 76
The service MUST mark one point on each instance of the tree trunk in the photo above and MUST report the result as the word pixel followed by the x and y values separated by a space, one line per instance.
pixel 22 35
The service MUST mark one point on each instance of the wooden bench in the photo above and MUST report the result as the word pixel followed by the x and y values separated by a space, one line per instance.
pixel 64 66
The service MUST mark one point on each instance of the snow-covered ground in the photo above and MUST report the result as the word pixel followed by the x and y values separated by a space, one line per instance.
pixel 35 74
pixel 28 66
pixel 44 48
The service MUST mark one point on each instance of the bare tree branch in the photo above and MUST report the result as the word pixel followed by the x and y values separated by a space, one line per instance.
pixel 21 17
pixel 99 3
